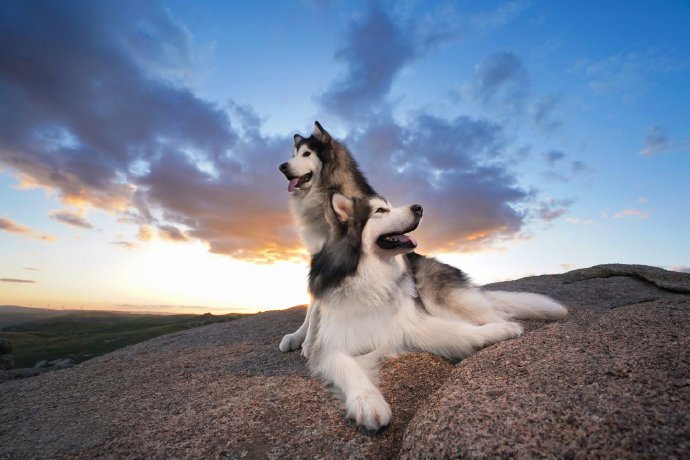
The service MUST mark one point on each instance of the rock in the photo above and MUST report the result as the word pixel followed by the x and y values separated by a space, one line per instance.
pixel 663 279
pixel 5 346
pixel 609 380
pixel 614 384
pixel 6 362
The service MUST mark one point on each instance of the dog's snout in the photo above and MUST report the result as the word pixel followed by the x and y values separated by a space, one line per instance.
pixel 283 167
pixel 417 209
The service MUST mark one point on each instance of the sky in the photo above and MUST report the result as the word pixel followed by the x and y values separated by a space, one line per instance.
pixel 140 140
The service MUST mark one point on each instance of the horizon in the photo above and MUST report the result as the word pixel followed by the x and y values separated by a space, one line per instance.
pixel 140 309
pixel 140 141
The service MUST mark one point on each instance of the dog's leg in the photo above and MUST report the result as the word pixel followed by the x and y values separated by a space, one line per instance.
pixel 312 329
pixel 525 305
pixel 294 341
pixel 457 339
pixel 364 402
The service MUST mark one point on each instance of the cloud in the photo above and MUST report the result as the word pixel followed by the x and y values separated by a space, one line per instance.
pixel 70 218
pixel 375 50
pixel 125 244
pixel 632 214
pixel 501 79
pixel 629 74
pixel 577 220
pixel 32 269
pixel 553 208
pixel 13 227
pixel 561 170
pixel 450 167
pixel 145 233
pixel 553 156
pixel 656 140
pixel 578 166
pixel 498 17
pixel 378 46
pixel 171 233
pixel 105 122
pixel 543 113
pixel 108 122
pixel 16 281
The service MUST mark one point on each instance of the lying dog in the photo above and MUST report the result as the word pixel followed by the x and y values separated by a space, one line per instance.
pixel 366 306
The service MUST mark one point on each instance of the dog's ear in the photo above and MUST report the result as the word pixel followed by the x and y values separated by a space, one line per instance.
pixel 321 134
pixel 343 206
pixel 297 138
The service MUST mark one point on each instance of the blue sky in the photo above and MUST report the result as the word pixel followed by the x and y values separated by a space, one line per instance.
pixel 139 141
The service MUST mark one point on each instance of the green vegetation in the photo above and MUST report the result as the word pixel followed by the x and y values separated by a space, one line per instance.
pixel 83 335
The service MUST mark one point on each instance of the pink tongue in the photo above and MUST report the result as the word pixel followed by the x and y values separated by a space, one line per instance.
pixel 293 183
pixel 405 239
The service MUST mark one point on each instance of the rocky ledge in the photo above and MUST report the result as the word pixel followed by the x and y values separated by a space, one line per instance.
pixel 611 379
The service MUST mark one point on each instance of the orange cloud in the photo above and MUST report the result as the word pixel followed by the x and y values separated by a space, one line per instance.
pixel 11 226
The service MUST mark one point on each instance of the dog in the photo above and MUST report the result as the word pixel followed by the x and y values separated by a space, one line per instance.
pixel 320 165
pixel 366 306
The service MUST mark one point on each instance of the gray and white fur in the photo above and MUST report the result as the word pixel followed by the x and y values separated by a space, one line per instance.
pixel 366 306
pixel 320 166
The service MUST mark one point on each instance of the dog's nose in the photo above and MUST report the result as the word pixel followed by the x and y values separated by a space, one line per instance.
pixel 417 209
pixel 282 168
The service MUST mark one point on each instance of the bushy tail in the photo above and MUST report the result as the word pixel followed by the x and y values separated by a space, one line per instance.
pixel 526 305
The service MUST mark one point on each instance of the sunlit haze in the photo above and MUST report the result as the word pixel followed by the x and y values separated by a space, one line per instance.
pixel 140 141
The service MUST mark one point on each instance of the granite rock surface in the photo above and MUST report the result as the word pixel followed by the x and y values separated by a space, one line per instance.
pixel 611 379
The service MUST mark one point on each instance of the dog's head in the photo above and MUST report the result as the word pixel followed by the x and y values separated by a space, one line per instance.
pixel 365 227
pixel 375 225
pixel 304 168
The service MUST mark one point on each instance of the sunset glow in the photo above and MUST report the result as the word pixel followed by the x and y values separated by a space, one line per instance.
pixel 140 141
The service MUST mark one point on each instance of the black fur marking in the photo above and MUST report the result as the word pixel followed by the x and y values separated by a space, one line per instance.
pixel 340 255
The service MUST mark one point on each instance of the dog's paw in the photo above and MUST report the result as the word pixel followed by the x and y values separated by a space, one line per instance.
pixel 305 352
pixel 290 342
pixel 369 409
pixel 502 330
pixel 513 330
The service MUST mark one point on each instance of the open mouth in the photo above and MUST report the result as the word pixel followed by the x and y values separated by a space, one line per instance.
pixel 297 182
pixel 398 240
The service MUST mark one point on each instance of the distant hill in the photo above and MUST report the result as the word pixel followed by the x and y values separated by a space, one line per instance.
pixel 71 336
pixel 12 314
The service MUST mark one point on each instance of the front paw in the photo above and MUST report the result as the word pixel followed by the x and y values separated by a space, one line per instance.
pixel 290 342
pixel 305 349
pixel 369 409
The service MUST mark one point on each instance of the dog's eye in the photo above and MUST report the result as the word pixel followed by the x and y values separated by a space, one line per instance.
pixel 306 154
pixel 381 210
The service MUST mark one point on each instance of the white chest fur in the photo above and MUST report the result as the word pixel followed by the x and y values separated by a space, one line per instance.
pixel 307 210
pixel 370 311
